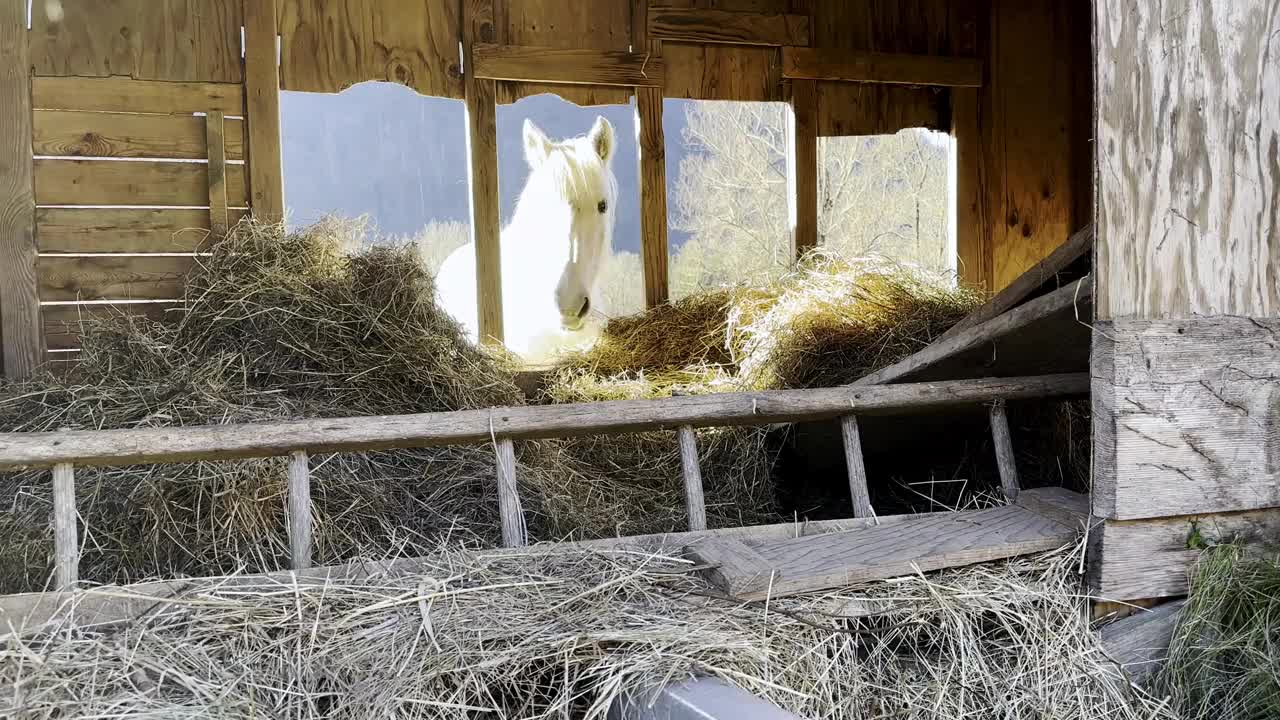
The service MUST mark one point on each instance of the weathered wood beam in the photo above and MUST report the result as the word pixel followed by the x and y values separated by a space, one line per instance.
pixel 855 467
pixel 697 25
pixel 695 502
pixel 513 527
pixel 262 110
pixel 299 505
pixel 482 171
pixel 66 541
pixel 142 445
pixel 654 249
pixel 1005 459
pixel 574 66
pixel 802 166
pixel 124 95
pixel 838 65
pixel 1139 643
pixel 217 154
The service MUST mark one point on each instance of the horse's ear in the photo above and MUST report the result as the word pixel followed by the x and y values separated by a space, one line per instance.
pixel 602 138
pixel 537 146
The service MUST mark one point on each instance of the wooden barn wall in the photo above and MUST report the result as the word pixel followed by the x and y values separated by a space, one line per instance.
pixel 1186 353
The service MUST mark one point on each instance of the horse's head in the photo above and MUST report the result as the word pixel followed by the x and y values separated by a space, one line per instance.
pixel 573 190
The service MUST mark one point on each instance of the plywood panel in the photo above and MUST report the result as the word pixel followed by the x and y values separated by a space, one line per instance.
pixel 1187 147
pixel 177 40
pixel 554 23
pixel 144 182
pixel 135 96
pixel 330 45
pixel 63 324
pixel 112 277
pixel 123 230
pixel 126 135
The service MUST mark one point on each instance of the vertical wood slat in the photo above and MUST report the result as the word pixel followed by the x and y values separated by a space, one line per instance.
pixel 1004 451
pixel 653 195
pixel 694 499
pixel 973 240
pixel 804 165
pixel 299 510
pixel 482 169
pixel 21 339
pixel 66 541
pixel 215 132
pixel 857 471
pixel 262 111
pixel 513 528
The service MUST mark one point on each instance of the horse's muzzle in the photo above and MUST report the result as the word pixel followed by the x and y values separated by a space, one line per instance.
pixel 575 323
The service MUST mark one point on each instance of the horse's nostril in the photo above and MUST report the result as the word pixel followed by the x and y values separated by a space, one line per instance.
pixel 586 307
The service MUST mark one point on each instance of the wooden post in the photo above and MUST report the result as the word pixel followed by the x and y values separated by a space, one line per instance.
pixel 1004 451
pixel 262 111
pixel 21 337
pixel 693 497
pixel 802 166
pixel 216 140
pixel 857 471
pixel 513 529
pixel 974 259
pixel 482 170
pixel 66 543
pixel 299 511
pixel 652 143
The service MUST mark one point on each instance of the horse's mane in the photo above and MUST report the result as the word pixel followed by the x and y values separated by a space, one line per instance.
pixel 573 170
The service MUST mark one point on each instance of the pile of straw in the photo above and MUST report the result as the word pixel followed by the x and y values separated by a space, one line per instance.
pixel 553 635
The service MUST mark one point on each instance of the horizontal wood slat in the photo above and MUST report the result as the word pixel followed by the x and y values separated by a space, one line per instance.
pixel 119 182
pixel 106 277
pixel 135 96
pixel 576 67
pixel 95 134
pixel 63 323
pixel 891 68
pixel 124 230
pixel 725 26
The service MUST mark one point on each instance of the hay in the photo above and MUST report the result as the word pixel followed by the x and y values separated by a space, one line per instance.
pixel 553 635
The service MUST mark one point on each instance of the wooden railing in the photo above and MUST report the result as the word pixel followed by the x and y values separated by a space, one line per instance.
pixel 297 440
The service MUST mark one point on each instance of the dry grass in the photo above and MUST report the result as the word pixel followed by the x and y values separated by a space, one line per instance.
pixel 554 635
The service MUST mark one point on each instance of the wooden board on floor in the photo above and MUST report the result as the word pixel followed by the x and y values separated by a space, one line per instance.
pixel 123 135
pixel 124 230
pixel 135 96
pixel 789 567
pixel 112 277
pixel 145 182
pixel 1139 643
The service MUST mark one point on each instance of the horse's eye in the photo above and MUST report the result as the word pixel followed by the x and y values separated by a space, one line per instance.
pixel 602 207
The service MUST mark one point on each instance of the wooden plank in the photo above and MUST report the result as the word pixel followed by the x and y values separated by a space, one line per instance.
pixel 299 510
pixel 124 230
pixel 722 72
pixel 514 533
pixel 262 107
pixel 66 542
pixel 973 242
pixel 553 23
pixel 1062 300
pixel 571 66
pixel 653 196
pixel 63 323
pixel 142 182
pixel 217 168
pixel 175 40
pixel 1187 211
pixel 109 447
pixel 1185 416
pixel 933 542
pixel 1151 558
pixel 701 25
pixel 1140 642
pixel 1076 247
pixel 695 502
pixel 891 68
pixel 804 165
pixel 736 568
pixel 121 135
pixel 482 170
pixel 857 471
pixel 328 47
pixel 1006 461
pixel 135 96
pixel 112 277
pixel 19 304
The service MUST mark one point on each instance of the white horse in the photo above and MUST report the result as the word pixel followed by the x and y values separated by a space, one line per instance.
pixel 555 248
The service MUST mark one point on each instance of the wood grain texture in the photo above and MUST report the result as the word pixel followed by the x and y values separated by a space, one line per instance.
pixel 1188 151
pixel 835 65
pixel 695 502
pixel 124 230
pixel 568 66
pixel 120 135
pixel 722 72
pixel 1006 459
pixel 144 182
pixel 922 544
pixel 557 24
pixel 514 533
pixel 111 447
pixel 855 467
pixel 802 166
pixel 1186 416
pixel 1139 643
pixel 19 303
pixel 262 108
pixel 482 170
pixel 217 169
pixel 135 96
pixel 654 248
pixel 63 324
pixel 299 506
pixel 973 241
pixel 701 25
pixel 329 46
pixel 66 543
pixel 1151 558
pixel 736 568
pixel 175 40
pixel 112 277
